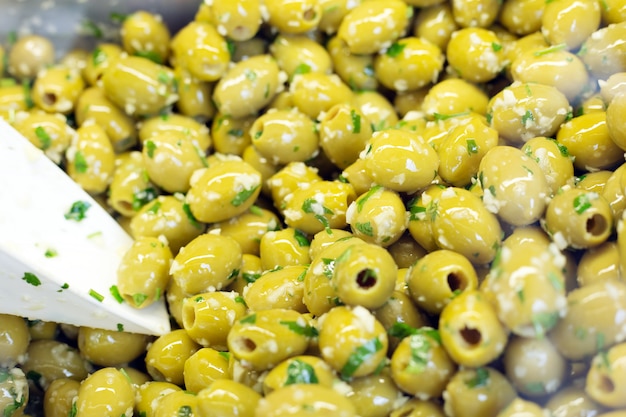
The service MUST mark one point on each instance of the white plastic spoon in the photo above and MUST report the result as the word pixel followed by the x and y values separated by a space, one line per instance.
pixel 53 265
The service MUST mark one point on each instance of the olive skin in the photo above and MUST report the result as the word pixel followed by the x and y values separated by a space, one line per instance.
pixel 506 172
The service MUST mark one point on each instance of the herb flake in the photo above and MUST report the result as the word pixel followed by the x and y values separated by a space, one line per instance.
pixel 360 355
pixel 78 211
pixel 31 279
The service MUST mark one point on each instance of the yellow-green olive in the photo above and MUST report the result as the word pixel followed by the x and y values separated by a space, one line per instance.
pixel 374 25
pixel 419 160
pixel 436 24
pixel 29 55
pixel 284 136
pixel 579 219
pixel 91 158
pixel 438 277
pixel 534 366
pixel 295 16
pixel 477 392
pixel 584 330
pixel 14 340
pixel 344 132
pixel 223 190
pixel 506 172
pixel 313 92
pixel 476 54
pixel 605 379
pixel 207 263
pixel 247 87
pixel 227 398
pixel 263 339
pixel 463 149
pixel 110 347
pixel 526 282
pixel 523 111
pixel 298 54
pixel 311 399
pixel 588 140
pixel 603 51
pixel 409 64
pixel 200 49
pixel 105 392
pixel 553 159
pixel 101 58
pixel 470 330
pixel 522 17
pixel 145 34
pixel 352 341
pixel 56 89
pixel 166 356
pixel 139 86
pixel 119 127
pixel 570 21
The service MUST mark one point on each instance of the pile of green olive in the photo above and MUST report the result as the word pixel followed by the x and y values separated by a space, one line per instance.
pixel 352 208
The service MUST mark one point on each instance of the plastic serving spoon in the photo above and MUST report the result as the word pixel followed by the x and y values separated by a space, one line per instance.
pixel 55 265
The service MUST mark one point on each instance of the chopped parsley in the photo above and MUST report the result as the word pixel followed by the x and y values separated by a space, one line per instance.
pixel 300 372
pixel 562 149
pixel 151 55
pixel 528 116
pixel 420 348
pixel 250 75
pixel 581 203
pixel 496 46
pixel 257 134
pixel 231 47
pixel 239 299
pixel 556 282
pixel 139 298
pixel 143 197
pixel 301 238
pixel 329 267
pixel 50 253
pixel 163 77
pixel 31 279
pixel 65 286
pixel 120 327
pixel 543 322
pixel 472 147
pixel 365 228
pixel 360 355
pixel 150 148
pixel 80 163
pixel 192 219
pixel 301 69
pixel 92 29
pixel 554 48
pixel 535 387
pixel 44 137
pixel 115 292
pixel 251 319
pixel 310 205
pixel 225 355
pixel 233 274
pixel 117 17
pixel 480 378
pixel 306 330
pixel 250 276
pixel 98 56
pixel 395 49
pixel 184 411
pixel 73 411
pixel 243 195
pixel 96 295
pixel 28 99
pixel 78 211
pixel 361 201
pixel 236 132
pixel 441 117
pixel 356 121
pixel 154 209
